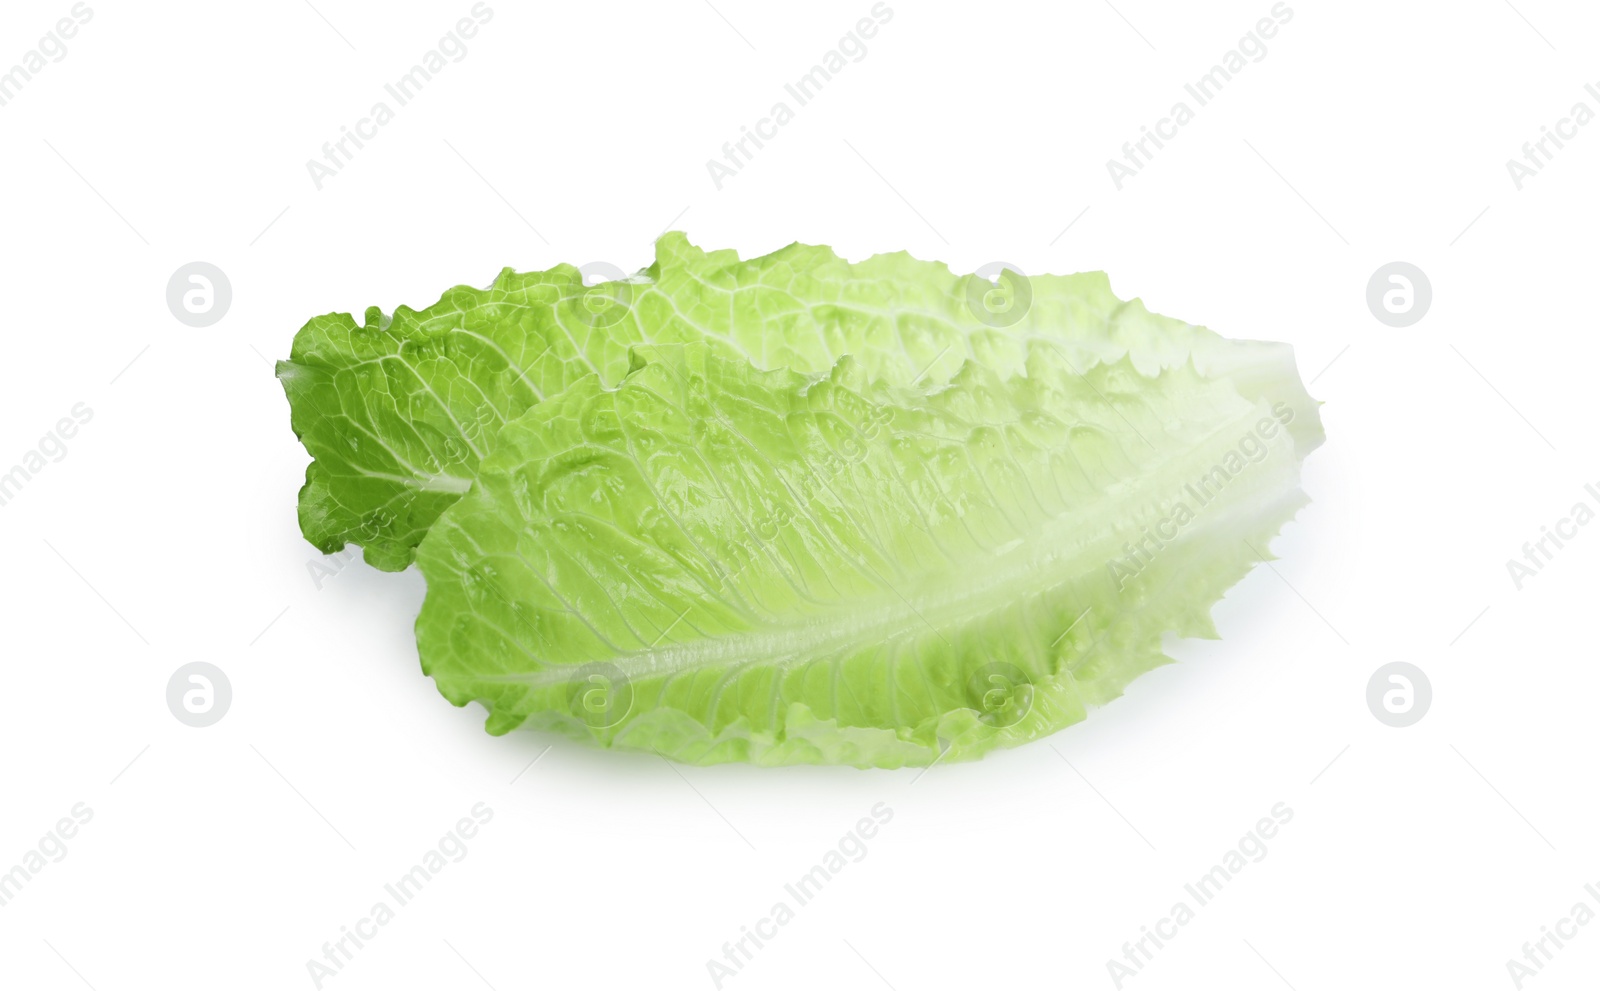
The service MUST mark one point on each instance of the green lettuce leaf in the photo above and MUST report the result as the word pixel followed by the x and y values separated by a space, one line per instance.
pixel 720 563
pixel 398 412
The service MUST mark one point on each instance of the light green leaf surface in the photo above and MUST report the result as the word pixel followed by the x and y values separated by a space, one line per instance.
pixel 398 412
pixel 833 565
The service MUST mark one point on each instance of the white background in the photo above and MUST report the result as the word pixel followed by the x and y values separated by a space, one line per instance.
pixel 1371 132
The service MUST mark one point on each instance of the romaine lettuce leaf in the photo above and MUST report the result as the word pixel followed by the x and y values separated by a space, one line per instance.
pixel 683 553
pixel 398 412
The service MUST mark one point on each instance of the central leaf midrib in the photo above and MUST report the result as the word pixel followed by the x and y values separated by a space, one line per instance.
pixel 1027 569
